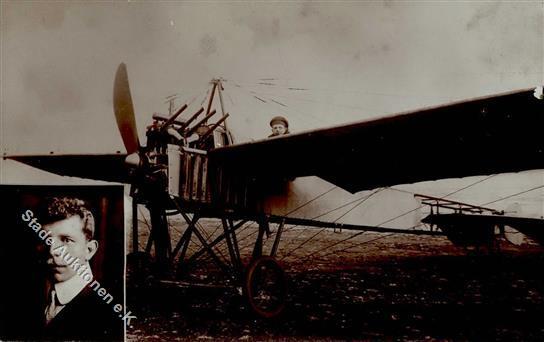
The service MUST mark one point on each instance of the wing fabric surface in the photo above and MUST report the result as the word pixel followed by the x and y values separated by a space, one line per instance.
pixel 106 167
pixel 495 134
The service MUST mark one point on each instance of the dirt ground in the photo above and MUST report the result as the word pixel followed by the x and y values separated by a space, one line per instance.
pixel 384 287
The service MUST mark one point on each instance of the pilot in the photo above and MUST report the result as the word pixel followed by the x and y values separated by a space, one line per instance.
pixel 279 126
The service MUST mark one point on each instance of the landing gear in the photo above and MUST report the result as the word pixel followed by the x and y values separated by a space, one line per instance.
pixel 259 275
pixel 265 287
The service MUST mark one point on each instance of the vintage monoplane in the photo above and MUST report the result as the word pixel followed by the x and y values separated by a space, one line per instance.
pixel 192 168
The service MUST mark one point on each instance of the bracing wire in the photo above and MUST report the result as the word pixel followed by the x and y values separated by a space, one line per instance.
pixel 310 201
pixel 341 216
pixel 324 214
pixel 513 195
pixel 394 218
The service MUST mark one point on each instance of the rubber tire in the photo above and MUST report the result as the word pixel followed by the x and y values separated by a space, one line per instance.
pixel 248 288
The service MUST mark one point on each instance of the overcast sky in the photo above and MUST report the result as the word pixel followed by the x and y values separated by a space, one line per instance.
pixel 321 64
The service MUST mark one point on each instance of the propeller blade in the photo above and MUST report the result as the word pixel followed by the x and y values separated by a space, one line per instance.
pixel 124 110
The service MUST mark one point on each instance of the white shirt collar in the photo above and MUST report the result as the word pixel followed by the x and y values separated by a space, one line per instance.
pixel 69 289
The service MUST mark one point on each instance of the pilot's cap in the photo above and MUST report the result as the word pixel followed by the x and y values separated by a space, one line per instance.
pixel 279 119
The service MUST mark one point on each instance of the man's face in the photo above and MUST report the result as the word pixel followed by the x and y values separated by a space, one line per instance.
pixel 278 129
pixel 68 233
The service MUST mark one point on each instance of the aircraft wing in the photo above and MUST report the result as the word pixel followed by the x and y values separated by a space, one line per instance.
pixel 494 134
pixel 106 167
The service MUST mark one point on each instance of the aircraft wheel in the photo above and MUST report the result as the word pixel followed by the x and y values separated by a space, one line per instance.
pixel 265 287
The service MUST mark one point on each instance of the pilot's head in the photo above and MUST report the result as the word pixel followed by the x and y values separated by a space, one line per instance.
pixel 279 125
pixel 71 225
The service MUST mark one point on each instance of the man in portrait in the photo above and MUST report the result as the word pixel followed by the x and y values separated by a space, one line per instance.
pixel 72 309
